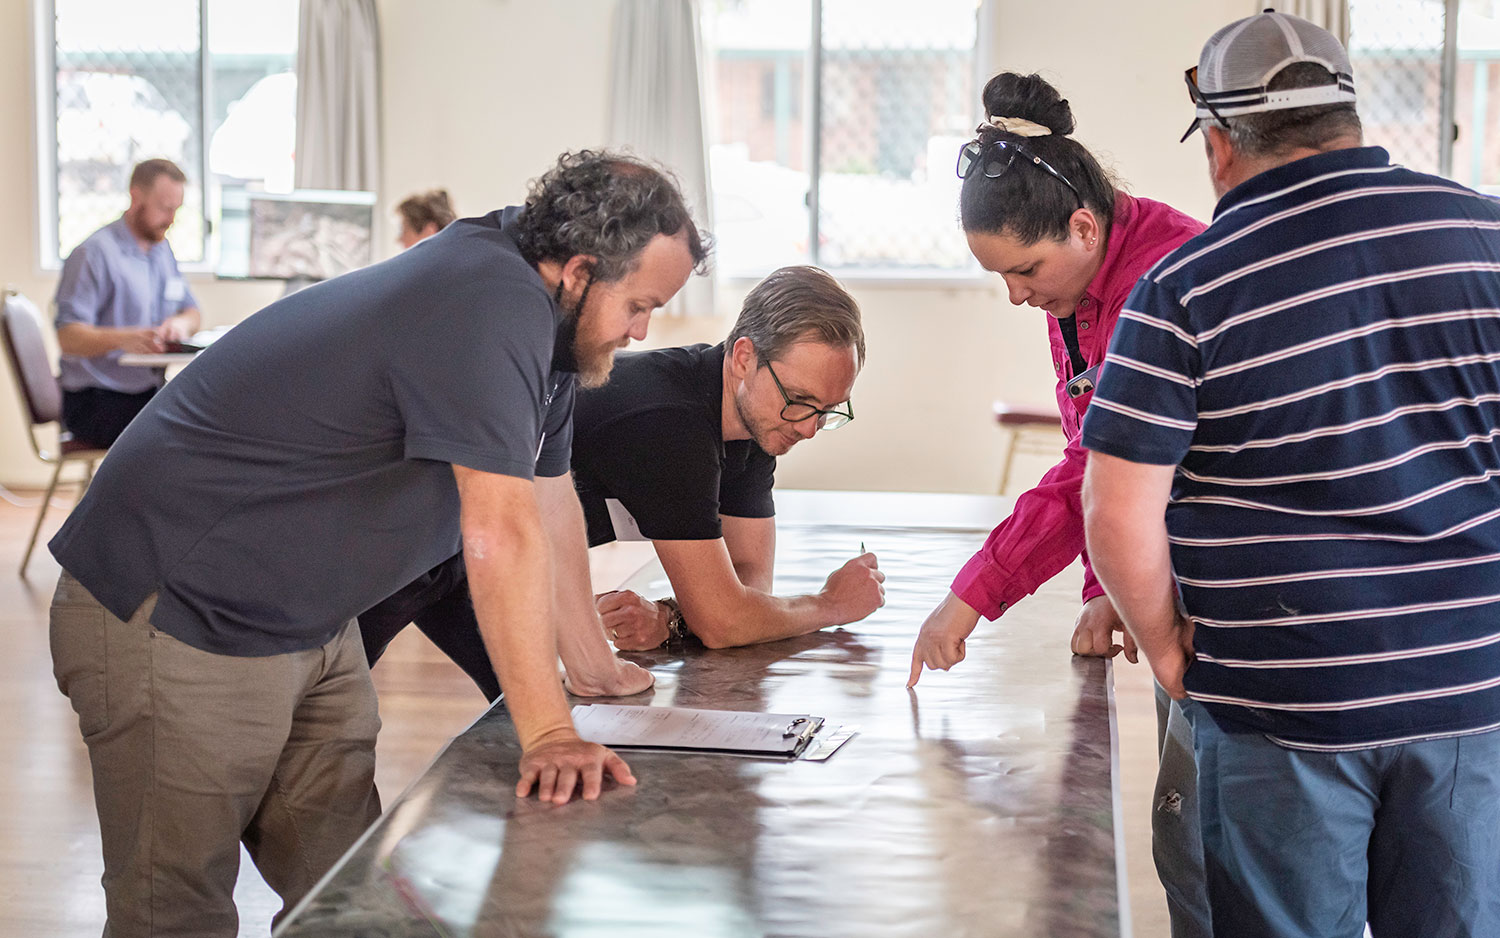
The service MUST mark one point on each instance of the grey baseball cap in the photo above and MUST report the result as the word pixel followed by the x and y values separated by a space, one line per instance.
pixel 1239 61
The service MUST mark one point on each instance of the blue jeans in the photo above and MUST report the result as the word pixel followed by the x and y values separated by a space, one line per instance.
pixel 1312 845
pixel 1176 844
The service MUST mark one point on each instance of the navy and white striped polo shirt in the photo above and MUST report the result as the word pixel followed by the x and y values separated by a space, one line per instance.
pixel 1323 366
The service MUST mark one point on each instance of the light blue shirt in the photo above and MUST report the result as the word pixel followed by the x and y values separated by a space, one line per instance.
pixel 109 281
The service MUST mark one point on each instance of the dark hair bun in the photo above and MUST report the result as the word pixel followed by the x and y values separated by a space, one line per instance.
pixel 1029 97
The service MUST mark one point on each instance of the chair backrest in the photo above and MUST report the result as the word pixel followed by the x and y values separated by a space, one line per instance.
pixel 27 351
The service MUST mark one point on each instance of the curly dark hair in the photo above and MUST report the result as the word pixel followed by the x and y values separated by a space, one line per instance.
pixel 605 205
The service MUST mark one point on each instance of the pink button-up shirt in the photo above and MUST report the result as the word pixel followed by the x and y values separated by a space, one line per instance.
pixel 1044 531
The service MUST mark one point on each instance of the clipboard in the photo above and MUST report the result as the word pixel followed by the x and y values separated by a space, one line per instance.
pixel 683 729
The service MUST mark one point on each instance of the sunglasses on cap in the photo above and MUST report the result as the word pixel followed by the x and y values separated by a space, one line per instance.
pixel 1199 100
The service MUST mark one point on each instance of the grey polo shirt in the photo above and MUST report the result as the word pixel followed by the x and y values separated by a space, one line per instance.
pixel 299 471
pixel 110 281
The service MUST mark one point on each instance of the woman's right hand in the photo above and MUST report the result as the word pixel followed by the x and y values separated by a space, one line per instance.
pixel 940 643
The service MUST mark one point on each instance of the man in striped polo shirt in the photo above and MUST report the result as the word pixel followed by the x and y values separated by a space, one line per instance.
pixel 1294 502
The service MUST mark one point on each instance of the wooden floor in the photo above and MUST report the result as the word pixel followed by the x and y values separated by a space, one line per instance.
pixel 49 839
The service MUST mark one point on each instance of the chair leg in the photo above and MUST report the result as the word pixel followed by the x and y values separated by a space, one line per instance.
pixel 1013 437
pixel 40 515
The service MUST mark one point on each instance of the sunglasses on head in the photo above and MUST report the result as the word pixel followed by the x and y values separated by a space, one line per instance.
pixel 995 159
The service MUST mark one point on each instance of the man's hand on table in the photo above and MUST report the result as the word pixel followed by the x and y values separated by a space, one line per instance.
pixel 558 767
pixel 940 643
pixel 173 329
pixel 854 590
pixel 619 678
pixel 632 622
pixel 141 342
pixel 1093 633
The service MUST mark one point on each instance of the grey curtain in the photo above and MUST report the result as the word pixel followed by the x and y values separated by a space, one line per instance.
pixel 1332 15
pixel 657 109
pixel 338 90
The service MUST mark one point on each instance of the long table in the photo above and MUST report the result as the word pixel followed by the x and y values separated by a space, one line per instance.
pixel 983 803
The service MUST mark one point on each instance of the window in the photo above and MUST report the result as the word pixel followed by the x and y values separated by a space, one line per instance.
pixel 1423 66
pixel 208 84
pixel 857 107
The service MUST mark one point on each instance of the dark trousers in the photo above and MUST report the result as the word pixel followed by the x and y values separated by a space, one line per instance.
pixel 97 416
pixel 438 603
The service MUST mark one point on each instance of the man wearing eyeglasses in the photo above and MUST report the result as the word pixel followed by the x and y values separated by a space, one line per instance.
pixel 680 448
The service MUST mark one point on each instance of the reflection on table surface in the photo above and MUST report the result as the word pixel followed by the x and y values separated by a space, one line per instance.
pixel 980 804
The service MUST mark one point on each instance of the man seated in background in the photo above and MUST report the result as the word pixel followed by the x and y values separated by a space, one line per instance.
pixel 424 215
pixel 120 292
pixel 681 446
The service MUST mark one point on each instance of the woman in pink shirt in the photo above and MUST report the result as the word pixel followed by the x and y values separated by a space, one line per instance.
pixel 1040 211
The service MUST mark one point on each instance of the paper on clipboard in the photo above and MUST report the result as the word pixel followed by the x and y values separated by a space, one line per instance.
pixel 623 522
pixel 772 734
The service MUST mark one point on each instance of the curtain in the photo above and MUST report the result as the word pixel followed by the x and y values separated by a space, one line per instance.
pixel 656 110
pixel 338 83
pixel 1332 15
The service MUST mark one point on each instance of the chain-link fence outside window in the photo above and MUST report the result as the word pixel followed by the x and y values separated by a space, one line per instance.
pixel 129 84
pixel 1397 50
pixel 898 99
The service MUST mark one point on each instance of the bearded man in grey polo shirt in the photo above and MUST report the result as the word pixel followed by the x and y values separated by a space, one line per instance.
pixel 120 292
pixel 324 453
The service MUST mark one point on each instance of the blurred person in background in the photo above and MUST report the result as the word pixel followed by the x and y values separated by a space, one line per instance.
pixel 424 215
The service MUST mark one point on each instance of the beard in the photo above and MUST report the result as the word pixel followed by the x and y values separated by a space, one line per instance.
pixel 763 433
pixel 593 355
pixel 594 361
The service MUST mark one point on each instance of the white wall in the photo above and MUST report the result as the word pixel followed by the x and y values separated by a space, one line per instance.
pixel 479 96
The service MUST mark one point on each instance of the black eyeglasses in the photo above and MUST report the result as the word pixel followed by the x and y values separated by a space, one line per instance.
pixel 797 411
pixel 1001 154
pixel 1199 100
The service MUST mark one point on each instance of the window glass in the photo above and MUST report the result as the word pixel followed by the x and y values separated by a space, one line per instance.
pixel 1396 50
pixel 128 88
pixel 1476 152
pixel 898 102
pixel 758 148
pixel 130 84
pixel 898 99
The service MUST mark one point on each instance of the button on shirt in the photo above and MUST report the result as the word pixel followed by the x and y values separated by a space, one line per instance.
pixel 1044 532
pixel 110 281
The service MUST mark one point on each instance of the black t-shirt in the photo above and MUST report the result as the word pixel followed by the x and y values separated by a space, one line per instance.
pixel 653 438
pixel 298 471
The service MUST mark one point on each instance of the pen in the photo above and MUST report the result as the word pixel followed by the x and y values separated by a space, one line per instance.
pixel 861 547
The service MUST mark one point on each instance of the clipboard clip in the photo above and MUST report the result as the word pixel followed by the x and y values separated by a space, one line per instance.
pixel 802 730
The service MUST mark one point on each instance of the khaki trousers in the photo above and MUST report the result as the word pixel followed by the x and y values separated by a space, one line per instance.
pixel 193 753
